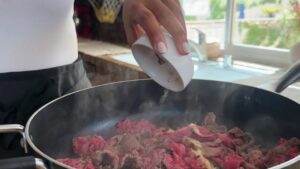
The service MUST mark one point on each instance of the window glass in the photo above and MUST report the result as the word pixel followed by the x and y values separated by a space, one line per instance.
pixel 207 16
pixel 267 23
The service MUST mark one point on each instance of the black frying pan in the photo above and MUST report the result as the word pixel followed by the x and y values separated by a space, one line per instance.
pixel 50 130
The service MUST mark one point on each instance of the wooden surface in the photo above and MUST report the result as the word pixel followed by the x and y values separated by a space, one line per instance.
pixel 100 49
pixel 105 51
pixel 102 67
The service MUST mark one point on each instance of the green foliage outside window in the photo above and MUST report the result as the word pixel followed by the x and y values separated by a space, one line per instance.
pixel 217 9
pixel 281 33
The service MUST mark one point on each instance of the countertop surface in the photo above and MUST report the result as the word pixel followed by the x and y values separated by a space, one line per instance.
pixel 122 55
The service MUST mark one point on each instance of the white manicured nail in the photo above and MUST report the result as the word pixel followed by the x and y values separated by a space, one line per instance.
pixel 161 47
pixel 186 47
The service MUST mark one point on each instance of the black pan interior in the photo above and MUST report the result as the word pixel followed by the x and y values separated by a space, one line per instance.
pixel 266 115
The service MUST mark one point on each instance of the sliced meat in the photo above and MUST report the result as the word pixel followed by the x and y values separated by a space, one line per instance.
pixel 293 152
pixel 141 145
pixel 129 142
pixel 203 134
pixel 256 158
pixel 133 127
pixel 209 119
pixel 236 132
pixel 131 162
pixel 196 149
pixel 232 161
pixel 294 141
pixel 226 140
pixel 105 160
pixel 210 123
pixel 84 146
pixel 179 134
pixel 215 143
pixel 77 163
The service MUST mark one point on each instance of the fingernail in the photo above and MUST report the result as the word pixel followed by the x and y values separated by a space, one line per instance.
pixel 186 47
pixel 161 47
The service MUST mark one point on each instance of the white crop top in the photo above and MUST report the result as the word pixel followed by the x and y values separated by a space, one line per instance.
pixel 36 34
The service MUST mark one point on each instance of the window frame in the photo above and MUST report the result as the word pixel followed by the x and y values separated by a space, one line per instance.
pixel 251 53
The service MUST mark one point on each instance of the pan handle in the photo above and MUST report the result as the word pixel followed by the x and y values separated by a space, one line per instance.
pixel 290 77
pixel 22 163
pixel 15 128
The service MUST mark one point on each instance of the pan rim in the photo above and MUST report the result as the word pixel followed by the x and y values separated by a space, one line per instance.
pixel 28 138
pixel 38 151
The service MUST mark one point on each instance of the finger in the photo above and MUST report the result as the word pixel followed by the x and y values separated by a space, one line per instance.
pixel 175 7
pixel 129 29
pixel 171 23
pixel 182 13
pixel 139 30
pixel 134 32
pixel 146 19
pixel 130 34
pixel 177 2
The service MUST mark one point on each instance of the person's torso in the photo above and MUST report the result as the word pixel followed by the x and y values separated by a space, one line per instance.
pixel 36 34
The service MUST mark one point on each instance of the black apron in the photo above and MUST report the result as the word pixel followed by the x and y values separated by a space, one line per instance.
pixel 22 93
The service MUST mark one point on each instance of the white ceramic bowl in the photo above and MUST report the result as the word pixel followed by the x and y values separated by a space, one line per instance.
pixel 171 70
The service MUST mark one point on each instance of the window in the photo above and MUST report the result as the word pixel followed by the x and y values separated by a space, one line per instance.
pixel 260 31
pixel 268 23
pixel 207 16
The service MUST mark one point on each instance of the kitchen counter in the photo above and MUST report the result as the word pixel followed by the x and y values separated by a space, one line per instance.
pixel 100 65
pixel 110 62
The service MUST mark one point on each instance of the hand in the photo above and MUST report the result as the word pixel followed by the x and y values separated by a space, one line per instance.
pixel 148 16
